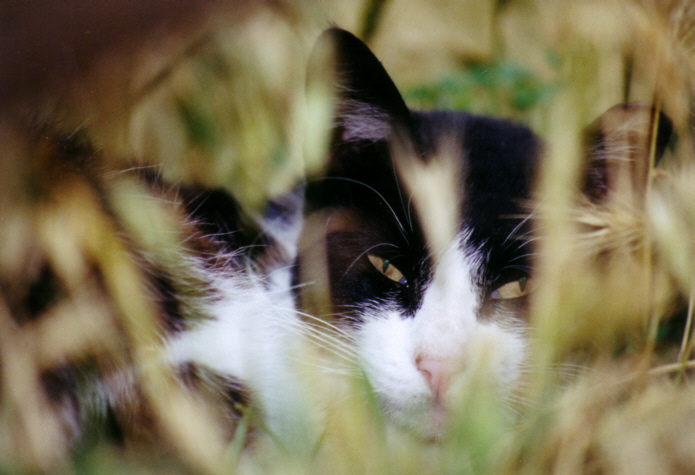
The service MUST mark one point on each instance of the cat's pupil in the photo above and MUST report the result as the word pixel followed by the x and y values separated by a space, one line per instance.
pixel 385 266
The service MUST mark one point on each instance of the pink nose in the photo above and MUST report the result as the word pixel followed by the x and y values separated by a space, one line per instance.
pixel 437 374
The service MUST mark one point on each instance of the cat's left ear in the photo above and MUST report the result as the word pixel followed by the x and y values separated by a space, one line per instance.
pixel 621 147
pixel 367 104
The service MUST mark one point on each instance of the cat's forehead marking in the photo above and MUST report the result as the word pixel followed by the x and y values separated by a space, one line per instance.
pixel 435 189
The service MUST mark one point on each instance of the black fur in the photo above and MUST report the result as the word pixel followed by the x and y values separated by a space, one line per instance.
pixel 498 160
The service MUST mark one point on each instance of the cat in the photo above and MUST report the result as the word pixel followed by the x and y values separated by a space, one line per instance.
pixel 415 241
pixel 410 255
pixel 420 311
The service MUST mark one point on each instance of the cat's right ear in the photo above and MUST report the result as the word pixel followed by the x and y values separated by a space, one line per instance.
pixel 622 146
pixel 366 103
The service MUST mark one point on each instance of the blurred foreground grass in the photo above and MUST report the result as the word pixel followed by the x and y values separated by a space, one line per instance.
pixel 220 101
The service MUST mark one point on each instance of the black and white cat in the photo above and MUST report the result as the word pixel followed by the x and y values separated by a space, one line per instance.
pixel 417 233
pixel 415 243
pixel 410 256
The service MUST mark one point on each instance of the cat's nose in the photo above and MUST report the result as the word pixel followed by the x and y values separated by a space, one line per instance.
pixel 437 373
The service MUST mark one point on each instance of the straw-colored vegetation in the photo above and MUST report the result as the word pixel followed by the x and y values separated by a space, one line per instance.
pixel 215 95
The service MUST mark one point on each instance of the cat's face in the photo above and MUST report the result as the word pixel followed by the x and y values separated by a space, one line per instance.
pixel 418 231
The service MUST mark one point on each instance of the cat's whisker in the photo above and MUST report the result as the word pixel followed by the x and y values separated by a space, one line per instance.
pixel 369 249
pixel 400 226
pixel 516 408
pixel 129 170
pixel 520 236
pixel 520 267
pixel 300 286
pixel 318 335
pixel 348 307
pixel 331 348
pixel 512 234
pixel 323 323
pixel 519 401
pixel 527 242
pixel 516 412
pixel 409 210
pixel 195 198
pixel 320 341
pixel 523 256
pixel 341 371
pixel 222 234
pixel 567 368
pixel 279 269
pixel 334 344
pixel 405 207
pixel 339 338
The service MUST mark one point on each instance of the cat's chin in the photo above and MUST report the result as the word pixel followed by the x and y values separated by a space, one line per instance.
pixel 436 422
pixel 428 424
pixel 432 421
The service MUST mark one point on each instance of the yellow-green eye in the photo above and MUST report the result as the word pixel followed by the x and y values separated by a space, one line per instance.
pixel 387 269
pixel 511 290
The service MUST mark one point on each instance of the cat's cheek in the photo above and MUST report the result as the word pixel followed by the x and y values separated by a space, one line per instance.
pixel 385 346
pixel 498 353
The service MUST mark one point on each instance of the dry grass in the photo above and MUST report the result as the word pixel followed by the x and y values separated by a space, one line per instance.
pixel 218 100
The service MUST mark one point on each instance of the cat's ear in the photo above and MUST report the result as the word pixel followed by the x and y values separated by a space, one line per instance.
pixel 367 104
pixel 621 147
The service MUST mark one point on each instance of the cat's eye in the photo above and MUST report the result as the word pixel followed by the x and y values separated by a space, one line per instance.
pixel 511 290
pixel 387 269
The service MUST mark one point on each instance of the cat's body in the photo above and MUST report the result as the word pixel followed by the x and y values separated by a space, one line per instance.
pixel 411 260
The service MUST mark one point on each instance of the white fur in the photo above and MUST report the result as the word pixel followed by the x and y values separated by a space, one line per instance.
pixel 256 332
pixel 444 328
pixel 253 336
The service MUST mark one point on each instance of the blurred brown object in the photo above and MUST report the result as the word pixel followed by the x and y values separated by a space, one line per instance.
pixel 46 45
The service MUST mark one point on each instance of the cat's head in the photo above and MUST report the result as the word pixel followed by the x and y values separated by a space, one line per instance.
pixel 417 239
